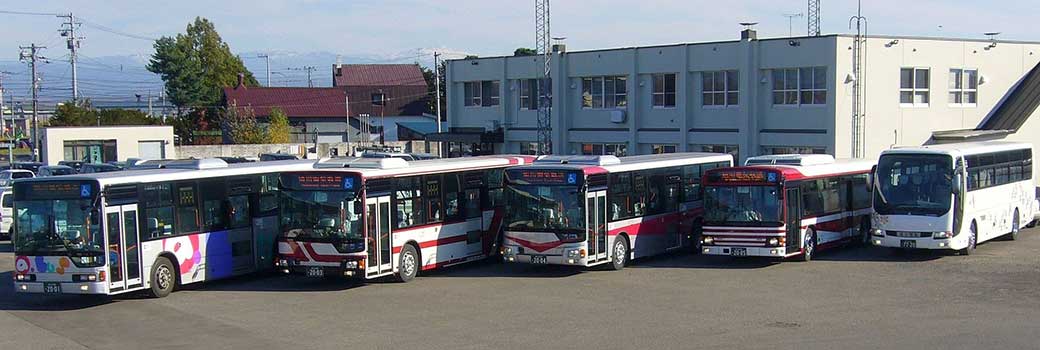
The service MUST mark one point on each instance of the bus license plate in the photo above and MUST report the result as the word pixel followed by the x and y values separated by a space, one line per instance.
pixel 52 288
pixel 906 243
pixel 738 252
pixel 539 259
pixel 315 272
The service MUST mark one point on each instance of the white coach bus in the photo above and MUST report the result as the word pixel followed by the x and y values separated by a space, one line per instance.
pixel 952 196
pixel 118 232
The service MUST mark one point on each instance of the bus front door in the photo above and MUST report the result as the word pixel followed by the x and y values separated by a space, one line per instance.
pixel 124 255
pixel 793 218
pixel 378 236
pixel 596 227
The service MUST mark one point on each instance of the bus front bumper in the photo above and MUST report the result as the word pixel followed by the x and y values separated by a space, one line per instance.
pixel 955 243
pixel 776 252
pixel 572 254
pixel 345 268
pixel 61 287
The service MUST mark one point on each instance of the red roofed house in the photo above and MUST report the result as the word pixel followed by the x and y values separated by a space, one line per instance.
pixel 390 91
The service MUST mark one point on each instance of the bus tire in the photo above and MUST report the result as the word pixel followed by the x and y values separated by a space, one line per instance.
pixel 1016 225
pixel 620 252
pixel 973 239
pixel 164 278
pixel 808 246
pixel 408 266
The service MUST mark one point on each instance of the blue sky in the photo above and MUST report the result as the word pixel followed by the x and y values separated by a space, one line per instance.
pixel 486 27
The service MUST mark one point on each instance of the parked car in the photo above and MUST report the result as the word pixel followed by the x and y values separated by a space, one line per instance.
pixel 266 157
pixel 75 164
pixel 30 166
pixel 55 170
pixel 6 213
pixel 90 168
pixel 7 176
pixel 370 154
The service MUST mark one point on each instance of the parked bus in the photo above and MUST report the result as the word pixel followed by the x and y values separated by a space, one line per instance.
pixel 953 196
pixel 373 217
pixel 811 202
pixel 593 210
pixel 118 232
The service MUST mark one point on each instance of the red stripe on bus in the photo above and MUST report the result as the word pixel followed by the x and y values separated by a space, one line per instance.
pixel 436 242
pixel 538 247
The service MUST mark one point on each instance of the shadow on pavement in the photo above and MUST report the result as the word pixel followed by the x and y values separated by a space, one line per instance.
pixel 12 301
pixel 276 282
pixel 697 261
pixel 507 270
pixel 879 254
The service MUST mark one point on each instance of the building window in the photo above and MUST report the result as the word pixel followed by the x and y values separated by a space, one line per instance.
pixel 659 149
pixel 90 151
pixel 719 88
pixel 530 93
pixel 604 92
pixel 481 93
pixel 913 86
pixel 964 87
pixel 664 90
pixel 800 86
pixel 379 99
pixel 771 150
pixel 730 149
pixel 529 148
pixel 599 149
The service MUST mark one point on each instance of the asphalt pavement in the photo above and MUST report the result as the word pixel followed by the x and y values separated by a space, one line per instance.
pixel 849 298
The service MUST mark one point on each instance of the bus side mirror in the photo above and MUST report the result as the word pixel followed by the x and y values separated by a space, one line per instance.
pixel 957 181
pixel 358 206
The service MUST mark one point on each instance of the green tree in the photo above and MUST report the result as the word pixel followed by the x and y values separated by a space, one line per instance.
pixel 278 126
pixel 523 51
pixel 240 126
pixel 194 67
pixel 431 90
pixel 84 114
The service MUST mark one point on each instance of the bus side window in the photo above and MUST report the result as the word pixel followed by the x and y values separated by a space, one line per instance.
pixel 239 213
pixel 268 199
pixel 187 208
pixel 214 205
pixel 434 207
pixel 408 202
pixel 157 200
pixel 452 198
pixel 691 179
pixel 860 192
pixel 494 178
pixel 620 193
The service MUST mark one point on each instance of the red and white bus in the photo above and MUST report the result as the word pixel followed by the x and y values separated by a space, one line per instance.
pixel 374 217
pixel 810 202
pixel 593 210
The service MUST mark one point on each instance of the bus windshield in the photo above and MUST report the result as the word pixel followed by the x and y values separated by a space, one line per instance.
pixel 322 215
pixel 914 184
pixel 69 227
pixel 544 208
pixel 742 205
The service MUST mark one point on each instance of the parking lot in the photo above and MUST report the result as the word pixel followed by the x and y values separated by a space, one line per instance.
pixel 849 298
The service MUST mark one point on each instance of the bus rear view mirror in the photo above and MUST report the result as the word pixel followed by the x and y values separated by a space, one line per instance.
pixel 358 206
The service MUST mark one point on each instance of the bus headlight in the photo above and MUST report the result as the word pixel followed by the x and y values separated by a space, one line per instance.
pixel 351 264
pixel 942 235
pixel 25 277
pixel 84 278
pixel 708 240
pixel 877 232
pixel 507 250
pixel 774 241
pixel 576 254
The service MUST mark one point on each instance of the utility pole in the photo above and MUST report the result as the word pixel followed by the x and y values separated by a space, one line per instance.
pixel 309 69
pixel 32 57
pixel 268 58
pixel 437 83
pixel 3 131
pixel 68 30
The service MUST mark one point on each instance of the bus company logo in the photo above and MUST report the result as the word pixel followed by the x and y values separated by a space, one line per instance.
pixel 44 266
pixel 187 251
pixel 22 265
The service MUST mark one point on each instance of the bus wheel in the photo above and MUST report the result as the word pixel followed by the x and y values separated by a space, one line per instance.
pixel 1015 227
pixel 620 252
pixel 973 239
pixel 409 265
pixel 164 278
pixel 809 246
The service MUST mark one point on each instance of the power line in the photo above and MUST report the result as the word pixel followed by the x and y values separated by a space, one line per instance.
pixel 28 13
pixel 115 31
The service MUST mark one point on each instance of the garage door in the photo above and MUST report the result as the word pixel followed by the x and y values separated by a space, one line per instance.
pixel 151 150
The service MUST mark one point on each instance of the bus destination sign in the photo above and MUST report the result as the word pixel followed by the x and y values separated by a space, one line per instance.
pixel 319 181
pixel 544 177
pixel 744 176
pixel 55 190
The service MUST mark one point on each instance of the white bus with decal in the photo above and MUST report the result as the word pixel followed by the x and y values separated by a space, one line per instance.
pixel 953 196
pixel 373 217
pixel 594 210
pixel 118 232
pixel 789 206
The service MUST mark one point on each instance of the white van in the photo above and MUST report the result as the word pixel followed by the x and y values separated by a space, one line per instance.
pixel 6 213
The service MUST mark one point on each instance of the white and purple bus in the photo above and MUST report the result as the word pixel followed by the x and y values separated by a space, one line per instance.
pixel 119 232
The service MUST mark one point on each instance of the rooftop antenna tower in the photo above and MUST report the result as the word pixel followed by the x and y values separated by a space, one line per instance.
pixel 543 47
pixel 858 80
pixel 790 22
pixel 814 17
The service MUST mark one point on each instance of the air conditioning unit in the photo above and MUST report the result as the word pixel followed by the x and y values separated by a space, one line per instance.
pixel 617 116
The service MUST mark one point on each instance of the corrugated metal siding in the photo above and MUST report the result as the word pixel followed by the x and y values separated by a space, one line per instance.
pixel 1023 101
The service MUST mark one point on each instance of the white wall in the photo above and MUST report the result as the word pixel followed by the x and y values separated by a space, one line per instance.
pixel 126 137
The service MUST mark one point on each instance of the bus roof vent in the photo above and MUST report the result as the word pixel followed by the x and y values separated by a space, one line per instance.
pixel 197 164
pixel 361 163
pixel 791 159
pixel 582 160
